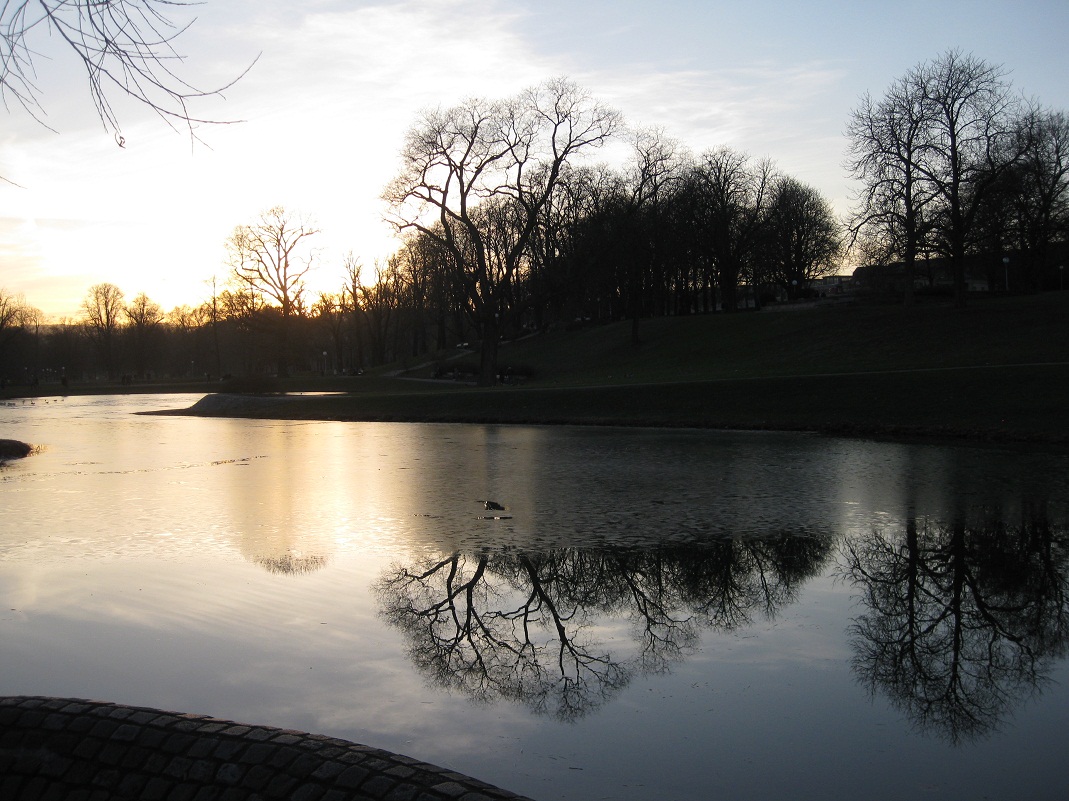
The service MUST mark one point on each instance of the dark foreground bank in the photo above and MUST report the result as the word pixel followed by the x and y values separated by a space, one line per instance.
pixel 1022 403
pixel 74 749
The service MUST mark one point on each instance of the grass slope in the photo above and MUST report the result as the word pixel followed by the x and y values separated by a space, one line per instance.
pixel 812 340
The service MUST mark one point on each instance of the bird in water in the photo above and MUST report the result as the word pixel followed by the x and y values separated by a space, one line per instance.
pixel 493 506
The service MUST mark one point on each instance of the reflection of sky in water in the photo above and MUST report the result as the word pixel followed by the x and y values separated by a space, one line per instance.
pixel 136 558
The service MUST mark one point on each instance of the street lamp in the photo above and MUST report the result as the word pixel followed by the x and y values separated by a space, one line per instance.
pixel 1006 267
pixel 1061 276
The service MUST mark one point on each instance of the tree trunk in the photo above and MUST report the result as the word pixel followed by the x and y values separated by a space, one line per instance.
pixel 488 354
pixel 283 347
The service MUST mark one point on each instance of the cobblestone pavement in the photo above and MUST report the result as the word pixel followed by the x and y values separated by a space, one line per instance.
pixel 67 749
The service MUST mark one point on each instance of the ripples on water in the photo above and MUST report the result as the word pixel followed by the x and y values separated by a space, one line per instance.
pixel 644 598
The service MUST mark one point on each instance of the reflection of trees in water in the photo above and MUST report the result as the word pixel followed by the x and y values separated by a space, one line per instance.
pixel 290 563
pixel 962 618
pixel 283 551
pixel 528 625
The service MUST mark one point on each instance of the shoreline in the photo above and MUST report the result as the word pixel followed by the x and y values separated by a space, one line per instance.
pixel 426 408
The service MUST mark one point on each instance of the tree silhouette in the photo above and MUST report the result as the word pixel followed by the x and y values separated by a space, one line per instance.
pixel 103 310
pixel 271 257
pixel 475 180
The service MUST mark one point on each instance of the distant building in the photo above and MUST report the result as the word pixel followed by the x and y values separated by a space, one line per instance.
pixel 929 275
pixel 1007 271
pixel 829 285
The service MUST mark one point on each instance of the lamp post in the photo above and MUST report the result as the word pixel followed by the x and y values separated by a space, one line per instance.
pixel 1061 276
pixel 324 364
pixel 1006 267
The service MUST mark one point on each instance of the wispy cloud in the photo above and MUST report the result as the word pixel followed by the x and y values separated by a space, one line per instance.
pixel 338 83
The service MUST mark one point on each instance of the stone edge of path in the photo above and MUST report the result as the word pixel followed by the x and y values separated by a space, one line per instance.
pixel 71 748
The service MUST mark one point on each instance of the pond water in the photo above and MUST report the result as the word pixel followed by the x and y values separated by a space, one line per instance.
pixel 654 614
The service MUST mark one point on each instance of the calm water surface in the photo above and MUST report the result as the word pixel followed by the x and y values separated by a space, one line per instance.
pixel 655 614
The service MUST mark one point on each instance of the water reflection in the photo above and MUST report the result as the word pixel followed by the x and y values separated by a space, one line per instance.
pixel 531 626
pixel 140 560
pixel 290 563
pixel 962 619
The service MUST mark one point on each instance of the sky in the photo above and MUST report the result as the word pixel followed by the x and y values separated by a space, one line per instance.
pixel 319 119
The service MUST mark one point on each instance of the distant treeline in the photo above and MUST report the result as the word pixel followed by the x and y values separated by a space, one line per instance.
pixel 508 229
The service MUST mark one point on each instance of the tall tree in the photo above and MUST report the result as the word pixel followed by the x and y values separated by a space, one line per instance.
pixel 271 256
pixel 728 197
pixel 968 145
pixel 378 306
pixel 1027 210
pixel 145 317
pixel 887 144
pixel 103 311
pixel 569 278
pixel 475 179
pixel 801 237
pixel 328 311
pixel 10 322
pixel 930 154
pixel 655 167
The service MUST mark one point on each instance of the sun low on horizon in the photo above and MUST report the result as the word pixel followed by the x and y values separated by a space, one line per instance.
pixel 317 122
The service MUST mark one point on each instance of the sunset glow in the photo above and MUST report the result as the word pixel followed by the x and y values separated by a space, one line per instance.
pixel 324 109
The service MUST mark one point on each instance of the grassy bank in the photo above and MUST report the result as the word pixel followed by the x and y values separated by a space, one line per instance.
pixel 997 371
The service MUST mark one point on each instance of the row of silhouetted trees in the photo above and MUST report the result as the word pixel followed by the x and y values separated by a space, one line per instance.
pixel 509 226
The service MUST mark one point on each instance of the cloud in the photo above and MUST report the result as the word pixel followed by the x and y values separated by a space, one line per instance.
pixel 337 84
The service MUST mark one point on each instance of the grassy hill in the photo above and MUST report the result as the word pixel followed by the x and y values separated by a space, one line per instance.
pixel 802 340
pixel 997 370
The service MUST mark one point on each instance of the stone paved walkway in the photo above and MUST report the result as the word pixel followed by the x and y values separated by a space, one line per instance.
pixel 66 749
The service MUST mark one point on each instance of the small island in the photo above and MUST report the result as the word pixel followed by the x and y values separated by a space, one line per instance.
pixel 13 449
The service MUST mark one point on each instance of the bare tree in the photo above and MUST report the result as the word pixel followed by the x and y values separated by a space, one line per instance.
pixel 103 311
pixel 329 312
pixel 968 145
pixel 729 196
pixel 567 275
pixel 127 47
pixel 145 317
pixel 378 305
pixel 475 178
pixel 929 155
pixel 887 145
pixel 10 312
pixel 654 168
pixel 349 298
pixel 801 237
pixel 1027 210
pixel 271 257
pixel 11 320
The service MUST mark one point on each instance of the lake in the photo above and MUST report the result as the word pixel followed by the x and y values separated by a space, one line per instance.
pixel 653 614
